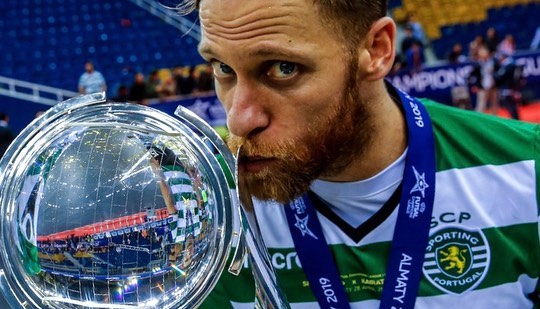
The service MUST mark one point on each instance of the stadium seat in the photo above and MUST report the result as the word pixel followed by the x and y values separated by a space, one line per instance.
pixel 70 32
pixel 450 21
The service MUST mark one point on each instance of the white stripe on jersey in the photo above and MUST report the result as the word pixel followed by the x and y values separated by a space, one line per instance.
pixel 175 189
pixel 176 174
pixel 495 196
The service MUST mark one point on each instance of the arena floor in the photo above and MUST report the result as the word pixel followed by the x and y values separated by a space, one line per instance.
pixel 528 113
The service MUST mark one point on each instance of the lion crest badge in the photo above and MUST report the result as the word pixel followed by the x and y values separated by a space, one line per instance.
pixel 456 259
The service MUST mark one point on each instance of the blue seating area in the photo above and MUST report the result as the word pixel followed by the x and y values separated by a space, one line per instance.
pixel 520 20
pixel 48 41
pixel 394 4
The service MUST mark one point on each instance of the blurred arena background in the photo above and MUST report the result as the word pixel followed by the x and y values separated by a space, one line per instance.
pixel 46 43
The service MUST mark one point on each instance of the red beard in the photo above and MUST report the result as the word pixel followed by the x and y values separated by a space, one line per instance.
pixel 330 144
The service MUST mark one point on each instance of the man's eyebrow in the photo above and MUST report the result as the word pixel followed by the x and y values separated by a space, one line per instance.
pixel 265 52
pixel 270 52
pixel 205 50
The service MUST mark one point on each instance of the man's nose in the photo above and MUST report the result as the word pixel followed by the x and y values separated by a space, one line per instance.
pixel 247 113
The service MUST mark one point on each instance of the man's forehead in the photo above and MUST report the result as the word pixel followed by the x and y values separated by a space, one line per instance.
pixel 243 19
pixel 231 10
pixel 260 29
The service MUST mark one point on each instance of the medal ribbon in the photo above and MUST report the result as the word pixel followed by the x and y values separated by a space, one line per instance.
pixel 404 269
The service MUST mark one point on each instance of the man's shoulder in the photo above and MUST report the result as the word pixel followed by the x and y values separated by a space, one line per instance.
pixel 469 138
pixel 451 115
pixel 84 75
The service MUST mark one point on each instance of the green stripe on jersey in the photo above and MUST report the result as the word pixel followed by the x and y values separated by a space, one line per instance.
pixel 515 251
pixel 468 139
pixel 179 181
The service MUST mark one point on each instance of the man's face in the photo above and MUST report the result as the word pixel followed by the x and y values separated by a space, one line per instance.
pixel 89 67
pixel 284 80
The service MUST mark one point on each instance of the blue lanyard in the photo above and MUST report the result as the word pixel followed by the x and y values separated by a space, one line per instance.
pixel 411 232
pixel 314 254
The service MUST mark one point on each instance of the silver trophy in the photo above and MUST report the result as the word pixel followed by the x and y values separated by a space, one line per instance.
pixel 118 205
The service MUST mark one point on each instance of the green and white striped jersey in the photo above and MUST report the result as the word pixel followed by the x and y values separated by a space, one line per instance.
pixel 483 249
pixel 29 203
pixel 187 220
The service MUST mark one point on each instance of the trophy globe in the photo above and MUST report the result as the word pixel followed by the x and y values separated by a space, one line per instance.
pixel 114 205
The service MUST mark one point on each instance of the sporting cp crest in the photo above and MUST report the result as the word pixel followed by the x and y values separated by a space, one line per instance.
pixel 456 259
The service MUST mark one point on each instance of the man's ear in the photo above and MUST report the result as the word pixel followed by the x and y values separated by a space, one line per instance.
pixel 379 49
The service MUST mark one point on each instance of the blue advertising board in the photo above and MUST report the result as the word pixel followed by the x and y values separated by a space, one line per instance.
pixel 437 82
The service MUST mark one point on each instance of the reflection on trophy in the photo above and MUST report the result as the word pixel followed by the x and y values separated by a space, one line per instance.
pixel 117 205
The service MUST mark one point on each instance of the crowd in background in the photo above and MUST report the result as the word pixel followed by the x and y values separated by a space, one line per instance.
pixel 168 82
pixel 495 80
pixel 164 83
pixel 411 53
pixel 6 134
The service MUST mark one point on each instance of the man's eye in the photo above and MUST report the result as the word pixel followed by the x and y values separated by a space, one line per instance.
pixel 282 69
pixel 221 69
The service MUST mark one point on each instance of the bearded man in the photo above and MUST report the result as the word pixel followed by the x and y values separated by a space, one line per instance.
pixel 359 189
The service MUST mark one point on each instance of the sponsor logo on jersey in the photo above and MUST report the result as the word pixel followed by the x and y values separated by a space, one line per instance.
pixel 281 260
pixel 286 261
pixel 456 259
